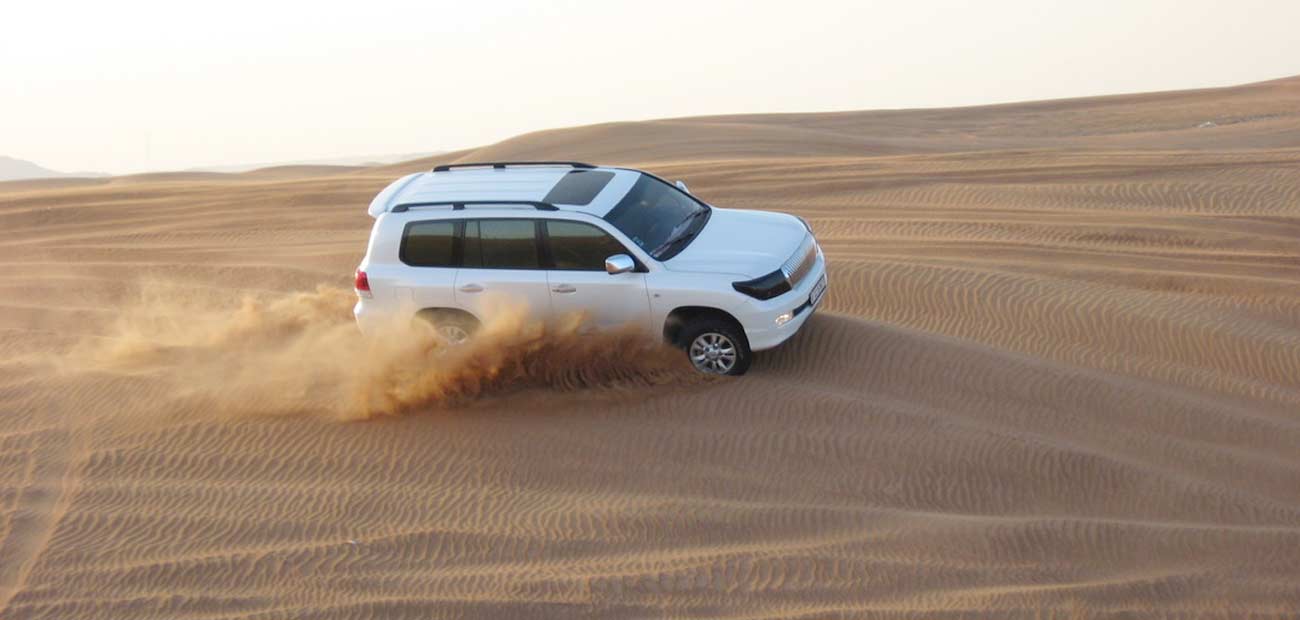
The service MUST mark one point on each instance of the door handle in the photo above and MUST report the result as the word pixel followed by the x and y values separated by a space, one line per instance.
pixel 565 288
pixel 471 288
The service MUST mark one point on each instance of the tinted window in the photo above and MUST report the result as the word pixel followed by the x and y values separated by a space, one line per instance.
pixel 578 187
pixel 658 217
pixel 428 244
pixel 578 246
pixel 501 244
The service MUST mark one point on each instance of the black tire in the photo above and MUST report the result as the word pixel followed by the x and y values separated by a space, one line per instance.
pixel 454 327
pixel 695 340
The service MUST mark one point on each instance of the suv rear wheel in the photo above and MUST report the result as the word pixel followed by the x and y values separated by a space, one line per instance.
pixel 452 327
pixel 716 347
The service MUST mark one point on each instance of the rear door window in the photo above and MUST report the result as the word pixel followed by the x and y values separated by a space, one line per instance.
pixel 501 244
pixel 576 246
pixel 429 244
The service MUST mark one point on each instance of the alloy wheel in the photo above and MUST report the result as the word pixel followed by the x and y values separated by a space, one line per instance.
pixel 453 334
pixel 713 352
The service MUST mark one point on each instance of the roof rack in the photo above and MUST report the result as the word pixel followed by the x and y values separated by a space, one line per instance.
pixel 459 205
pixel 500 165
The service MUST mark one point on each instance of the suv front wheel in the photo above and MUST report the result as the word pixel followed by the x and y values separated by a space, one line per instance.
pixel 716 347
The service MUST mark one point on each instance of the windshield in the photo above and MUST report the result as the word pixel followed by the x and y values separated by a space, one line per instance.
pixel 658 217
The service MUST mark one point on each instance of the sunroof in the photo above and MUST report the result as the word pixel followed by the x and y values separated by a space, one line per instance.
pixel 578 187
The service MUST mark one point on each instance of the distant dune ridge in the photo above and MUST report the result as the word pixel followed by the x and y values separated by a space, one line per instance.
pixel 12 169
pixel 1057 376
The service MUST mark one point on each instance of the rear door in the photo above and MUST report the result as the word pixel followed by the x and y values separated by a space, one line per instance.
pixel 578 280
pixel 429 246
pixel 501 268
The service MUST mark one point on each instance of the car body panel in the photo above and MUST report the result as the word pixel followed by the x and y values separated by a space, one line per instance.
pixel 609 300
pixel 744 243
pixel 484 292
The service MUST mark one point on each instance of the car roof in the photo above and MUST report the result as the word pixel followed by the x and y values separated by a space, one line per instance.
pixel 517 183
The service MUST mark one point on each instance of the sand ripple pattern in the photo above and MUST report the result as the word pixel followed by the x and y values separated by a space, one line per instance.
pixel 1057 376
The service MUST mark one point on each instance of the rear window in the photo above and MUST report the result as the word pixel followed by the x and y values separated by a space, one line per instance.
pixel 578 187
pixel 429 244
pixel 501 244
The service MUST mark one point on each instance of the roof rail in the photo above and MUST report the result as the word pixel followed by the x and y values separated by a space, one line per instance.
pixel 499 165
pixel 458 205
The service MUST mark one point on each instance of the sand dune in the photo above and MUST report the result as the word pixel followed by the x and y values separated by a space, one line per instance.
pixel 1058 376
pixel 1249 117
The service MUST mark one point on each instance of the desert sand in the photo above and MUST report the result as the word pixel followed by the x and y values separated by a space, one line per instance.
pixel 1057 375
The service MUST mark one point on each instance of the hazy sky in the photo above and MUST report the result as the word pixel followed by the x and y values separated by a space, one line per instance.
pixel 130 85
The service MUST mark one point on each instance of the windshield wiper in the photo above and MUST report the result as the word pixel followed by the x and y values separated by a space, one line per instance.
pixel 692 216
pixel 682 236
pixel 671 242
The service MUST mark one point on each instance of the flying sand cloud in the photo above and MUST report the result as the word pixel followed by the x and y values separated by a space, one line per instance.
pixel 302 352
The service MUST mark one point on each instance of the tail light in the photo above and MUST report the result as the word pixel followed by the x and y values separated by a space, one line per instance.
pixel 362 285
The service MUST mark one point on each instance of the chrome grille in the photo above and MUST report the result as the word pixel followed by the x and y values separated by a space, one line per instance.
pixel 796 267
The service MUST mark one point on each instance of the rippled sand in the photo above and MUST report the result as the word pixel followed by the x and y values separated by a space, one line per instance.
pixel 1057 376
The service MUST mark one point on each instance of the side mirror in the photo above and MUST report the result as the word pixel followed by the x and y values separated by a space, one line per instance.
pixel 682 186
pixel 619 263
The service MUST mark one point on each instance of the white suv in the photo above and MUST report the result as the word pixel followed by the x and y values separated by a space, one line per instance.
pixel 621 245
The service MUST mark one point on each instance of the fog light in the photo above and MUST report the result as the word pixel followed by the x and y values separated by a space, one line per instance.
pixel 783 318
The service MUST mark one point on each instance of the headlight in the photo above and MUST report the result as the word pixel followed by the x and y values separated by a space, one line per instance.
pixel 764 287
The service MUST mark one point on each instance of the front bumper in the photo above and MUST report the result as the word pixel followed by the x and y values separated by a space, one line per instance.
pixel 760 324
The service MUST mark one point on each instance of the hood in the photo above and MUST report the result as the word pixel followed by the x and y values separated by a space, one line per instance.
pixel 745 243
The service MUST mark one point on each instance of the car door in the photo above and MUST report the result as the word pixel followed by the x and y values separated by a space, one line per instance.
pixel 429 246
pixel 578 280
pixel 501 269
